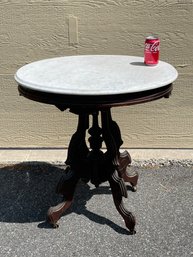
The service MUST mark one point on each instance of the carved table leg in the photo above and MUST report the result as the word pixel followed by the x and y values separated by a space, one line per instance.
pixel 124 158
pixel 113 141
pixel 118 190
pixel 66 187
pixel 77 153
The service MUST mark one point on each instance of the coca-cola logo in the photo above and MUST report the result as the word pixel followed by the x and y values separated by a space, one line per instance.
pixel 152 47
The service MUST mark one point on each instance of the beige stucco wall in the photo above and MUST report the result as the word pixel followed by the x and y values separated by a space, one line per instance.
pixel 34 29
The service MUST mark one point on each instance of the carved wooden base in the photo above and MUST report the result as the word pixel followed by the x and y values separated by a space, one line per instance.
pixel 96 166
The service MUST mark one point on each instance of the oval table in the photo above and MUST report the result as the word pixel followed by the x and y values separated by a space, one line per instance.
pixel 92 85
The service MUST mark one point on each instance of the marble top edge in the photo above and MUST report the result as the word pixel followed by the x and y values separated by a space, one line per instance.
pixel 90 93
pixel 63 86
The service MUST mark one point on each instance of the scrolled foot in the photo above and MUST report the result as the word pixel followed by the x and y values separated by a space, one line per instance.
pixel 128 218
pixel 54 213
pixel 131 177
pixel 124 160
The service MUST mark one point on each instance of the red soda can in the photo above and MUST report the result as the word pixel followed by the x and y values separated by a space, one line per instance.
pixel 151 52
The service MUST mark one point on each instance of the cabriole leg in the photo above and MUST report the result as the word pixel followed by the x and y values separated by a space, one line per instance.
pixel 66 187
pixel 118 191
pixel 112 138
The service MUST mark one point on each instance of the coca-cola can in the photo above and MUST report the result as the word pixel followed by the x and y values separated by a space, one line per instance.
pixel 151 52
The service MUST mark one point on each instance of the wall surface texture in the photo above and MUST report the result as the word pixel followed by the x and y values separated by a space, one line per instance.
pixel 35 29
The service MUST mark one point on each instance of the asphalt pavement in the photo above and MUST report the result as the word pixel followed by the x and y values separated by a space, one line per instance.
pixel 162 205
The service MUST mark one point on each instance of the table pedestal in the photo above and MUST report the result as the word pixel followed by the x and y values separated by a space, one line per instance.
pixel 94 165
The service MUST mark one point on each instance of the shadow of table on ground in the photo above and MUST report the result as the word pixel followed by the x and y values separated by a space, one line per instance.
pixel 28 189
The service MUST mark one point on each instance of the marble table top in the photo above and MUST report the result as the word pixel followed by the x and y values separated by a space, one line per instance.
pixel 95 75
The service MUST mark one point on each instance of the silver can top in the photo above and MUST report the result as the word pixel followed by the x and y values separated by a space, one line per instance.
pixel 152 37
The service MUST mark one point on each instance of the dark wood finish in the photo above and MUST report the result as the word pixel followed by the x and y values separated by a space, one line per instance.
pixel 125 172
pixel 66 187
pixel 118 190
pixel 93 102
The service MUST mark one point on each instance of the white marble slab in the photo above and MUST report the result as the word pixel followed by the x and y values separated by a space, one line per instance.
pixel 95 75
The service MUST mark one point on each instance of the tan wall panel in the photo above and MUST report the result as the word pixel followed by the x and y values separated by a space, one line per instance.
pixel 34 29
pixel 26 123
pixel 166 123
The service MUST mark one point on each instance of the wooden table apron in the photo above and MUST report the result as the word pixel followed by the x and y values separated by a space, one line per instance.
pixel 64 101
pixel 91 164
